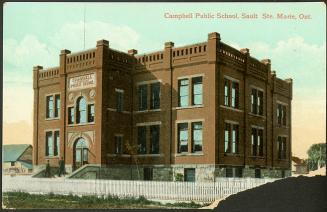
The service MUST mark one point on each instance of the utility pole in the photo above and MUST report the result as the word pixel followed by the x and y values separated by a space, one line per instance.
pixel 84 27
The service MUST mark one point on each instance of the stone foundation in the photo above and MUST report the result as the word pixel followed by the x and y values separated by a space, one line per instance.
pixel 203 173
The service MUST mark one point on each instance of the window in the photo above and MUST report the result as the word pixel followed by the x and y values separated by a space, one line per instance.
pixel 71 115
pixel 256 101
pixel 91 113
pixel 231 93
pixel 49 112
pixel 235 94
pixel 226 92
pixel 260 142
pixel 183 92
pixel 229 172
pixel 284 115
pixel 143 96
pixel 238 172
pixel 257 173
pixel 227 130
pixel 12 163
pixel 154 139
pixel 234 172
pixel 57 106
pixel 197 137
pixel 120 101
pixel 235 138
pixel 56 145
pixel 182 137
pixel 118 144
pixel 53 106
pixel 141 139
pixel 231 138
pixel 260 103
pixel 81 110
pixel 197 91
pixel 49 144
pixel 189 175
pixel 257 142
pixel 155 96
pixel 52 140
pixel 148 173
pixel 281 147
pixel 281 115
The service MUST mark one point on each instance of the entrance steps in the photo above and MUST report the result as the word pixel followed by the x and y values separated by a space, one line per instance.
pixel 41 173
pixel 88 171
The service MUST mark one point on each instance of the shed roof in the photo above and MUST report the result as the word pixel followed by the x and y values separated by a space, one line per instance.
pixel 12 152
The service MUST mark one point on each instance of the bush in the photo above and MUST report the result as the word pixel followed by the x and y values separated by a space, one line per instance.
pixel 179 177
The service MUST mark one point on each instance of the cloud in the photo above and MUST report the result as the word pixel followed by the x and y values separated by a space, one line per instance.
pixel 295 58
pixel 306 64
pixel 71 36
pixel 25 53
pixel 21 55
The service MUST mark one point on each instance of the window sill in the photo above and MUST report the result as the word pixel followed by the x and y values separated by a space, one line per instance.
pixel 149 155
pixel 232 154
pixel 189 154
pixel 256 157
pixel 282 160
pixel 147 111
pixel 52 157
pixel 51 119
pixel 231 108
pixel 120 111
pixel 282 126
pixel 189 107
pixel 257 115
pixel 78 125
pixel 119 155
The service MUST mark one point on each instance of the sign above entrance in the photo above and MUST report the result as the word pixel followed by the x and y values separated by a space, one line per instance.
pixel 82 82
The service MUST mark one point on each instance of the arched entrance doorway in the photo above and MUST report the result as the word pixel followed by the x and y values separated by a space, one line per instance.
pixel 81 153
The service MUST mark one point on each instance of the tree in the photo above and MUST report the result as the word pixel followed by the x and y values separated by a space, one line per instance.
pixel 132 150
pixel 316 156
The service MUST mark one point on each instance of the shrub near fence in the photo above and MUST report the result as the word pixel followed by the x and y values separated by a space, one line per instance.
pixel 180 191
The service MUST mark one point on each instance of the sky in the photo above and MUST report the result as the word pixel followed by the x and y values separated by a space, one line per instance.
pixel 34 34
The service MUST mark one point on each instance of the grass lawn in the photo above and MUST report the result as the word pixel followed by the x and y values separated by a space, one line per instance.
pixel 25 200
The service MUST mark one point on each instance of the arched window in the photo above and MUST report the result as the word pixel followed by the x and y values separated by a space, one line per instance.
pixel 81 110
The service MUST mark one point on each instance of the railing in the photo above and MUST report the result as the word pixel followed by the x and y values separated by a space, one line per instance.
pixel 257 68
pixel 282 87
pixel 231 55
pixel 180 191
pixel 85 59
pixel 119 56
pixel 49 73
pixel 199 48
pixel 153 57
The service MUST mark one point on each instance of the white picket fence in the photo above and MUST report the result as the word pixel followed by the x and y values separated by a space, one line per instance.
pixel 179 191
